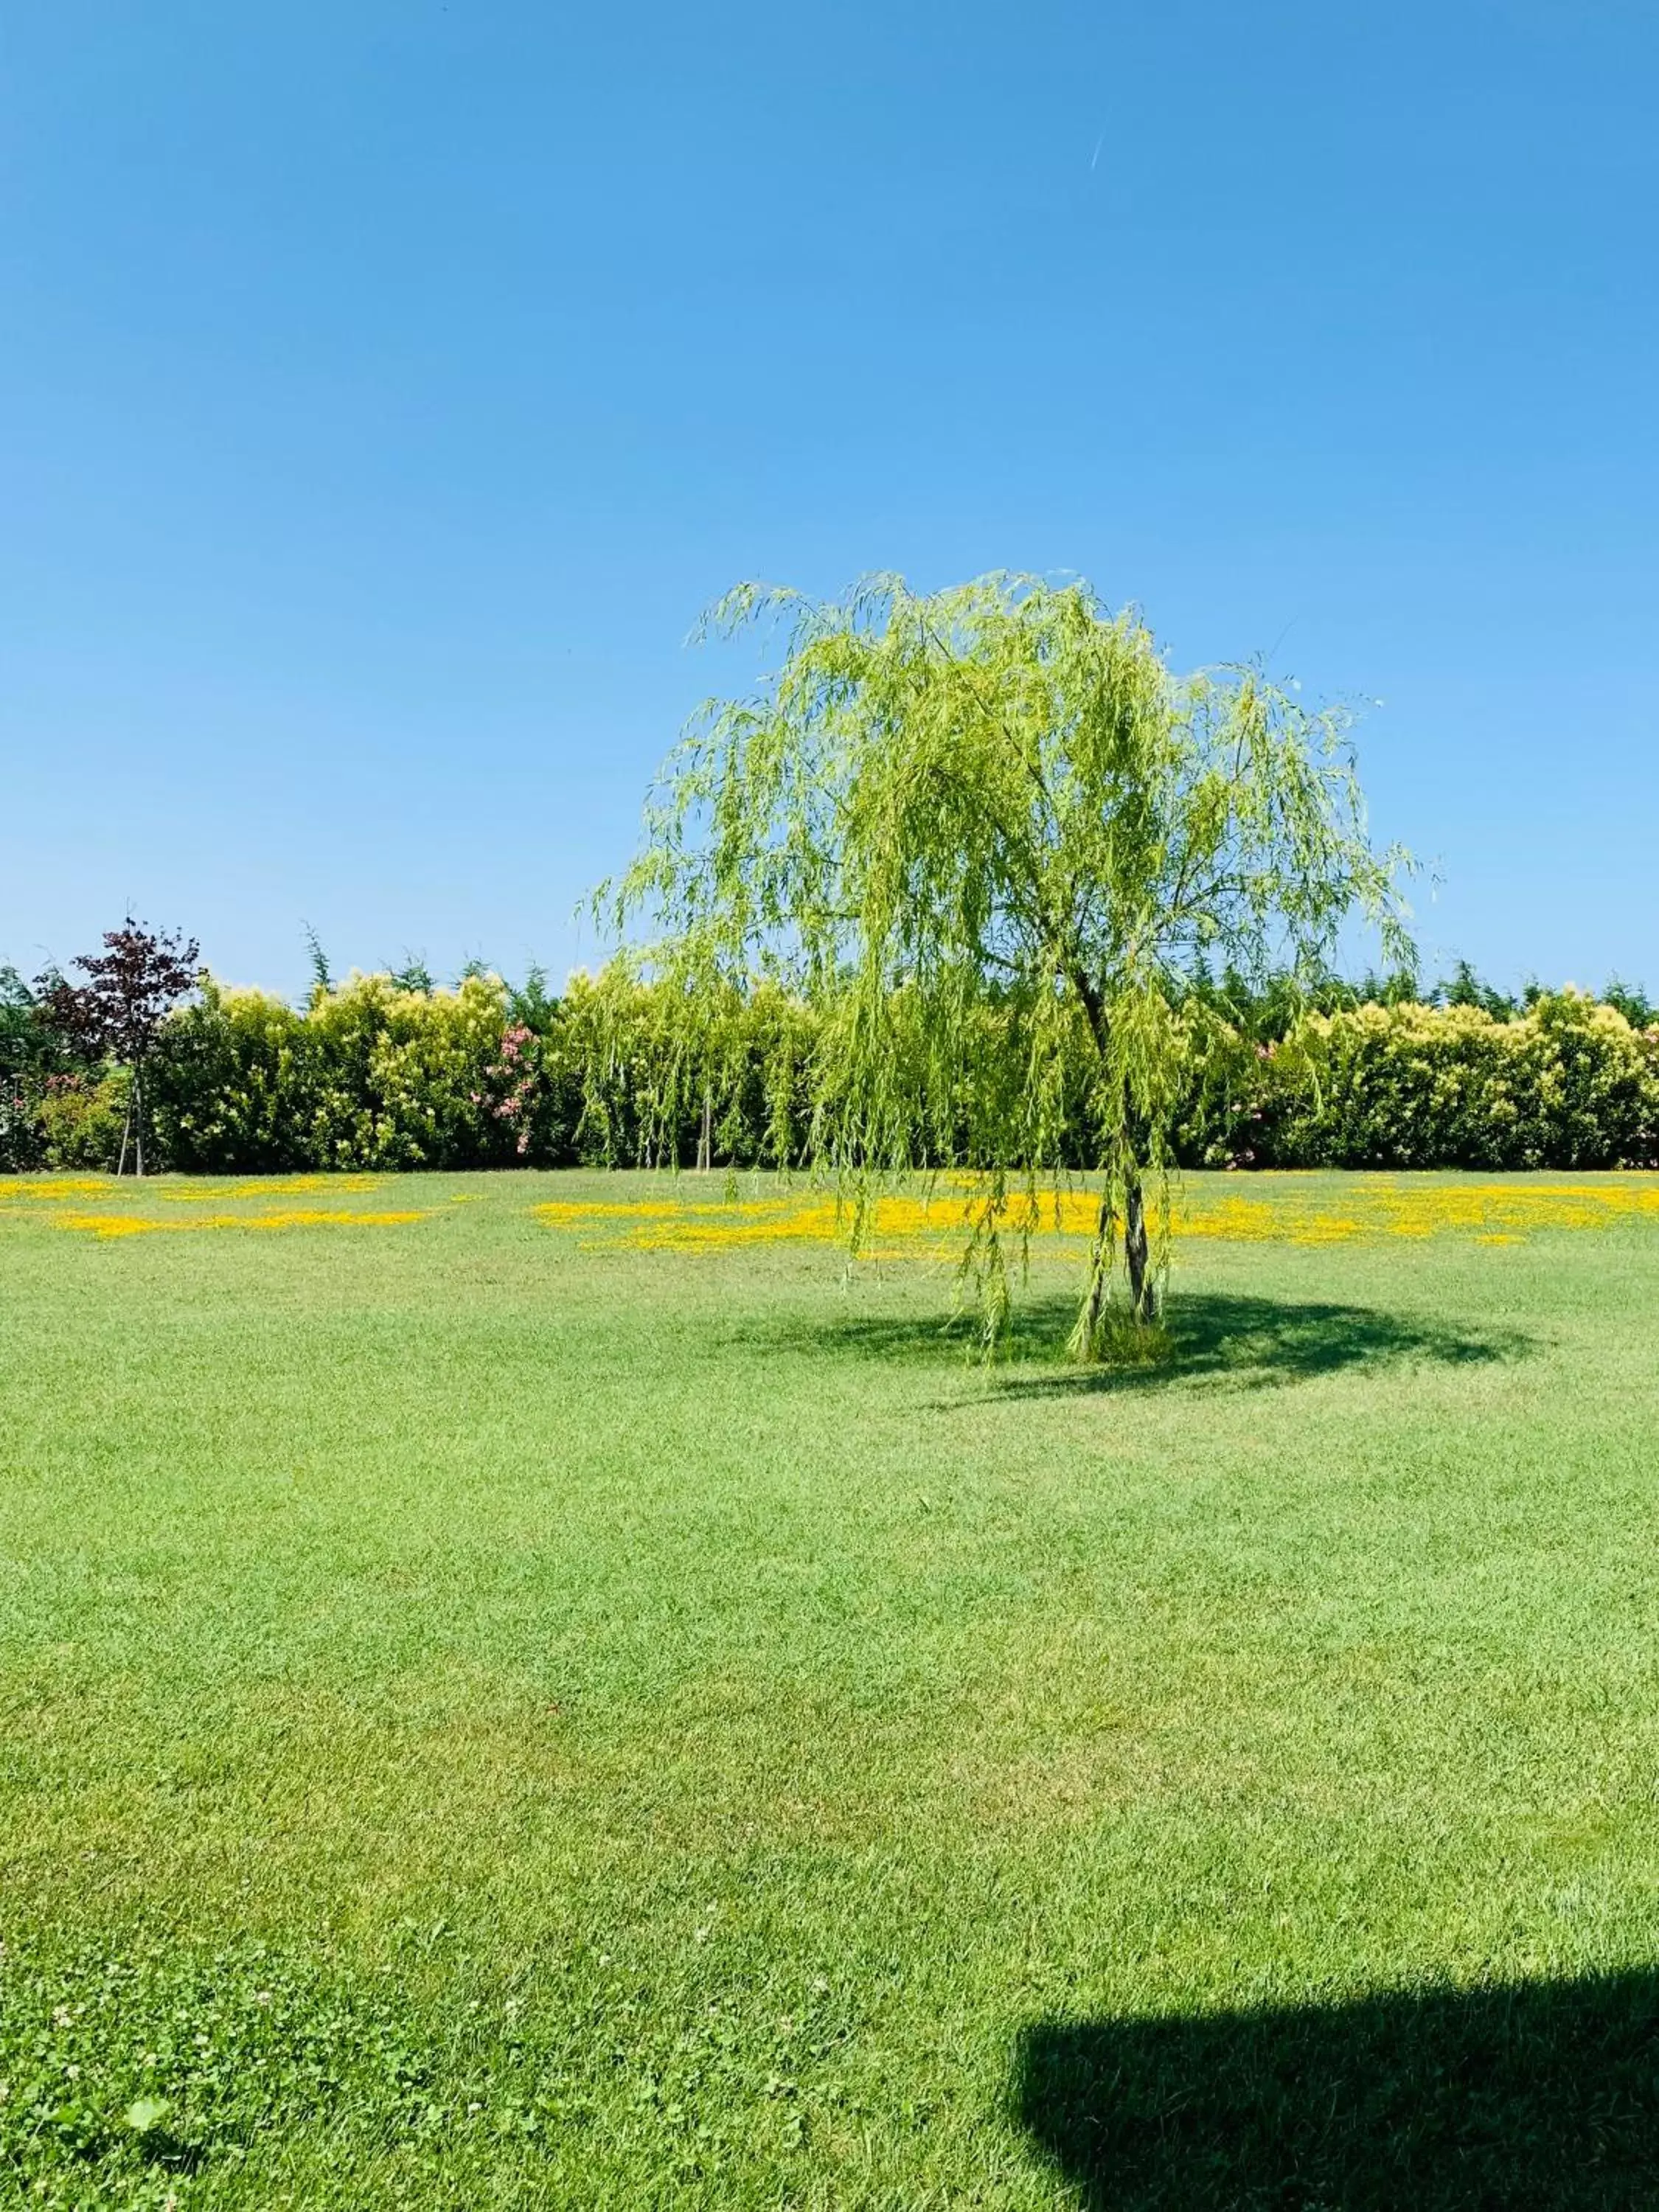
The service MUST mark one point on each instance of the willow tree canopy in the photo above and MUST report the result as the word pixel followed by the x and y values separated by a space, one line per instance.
pixel 995 810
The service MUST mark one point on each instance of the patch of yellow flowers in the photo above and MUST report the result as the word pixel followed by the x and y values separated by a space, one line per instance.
pixel 1282 1208
pixel 1292 1209
pixel 61 1198
pixel 133 1224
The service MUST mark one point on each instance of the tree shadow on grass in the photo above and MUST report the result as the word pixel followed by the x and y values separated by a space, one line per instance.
pixel 1255 1342
pixel 1249 1342
pixel 1540 2094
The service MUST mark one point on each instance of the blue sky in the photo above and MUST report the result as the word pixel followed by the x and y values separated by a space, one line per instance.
pixel 385 388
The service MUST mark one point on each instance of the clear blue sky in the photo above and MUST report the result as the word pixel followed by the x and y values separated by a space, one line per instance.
pixel 385 387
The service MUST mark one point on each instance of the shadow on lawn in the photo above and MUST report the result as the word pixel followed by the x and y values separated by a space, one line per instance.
pixel 1542 2095
pixel 1256 1341
pixel 1249 1342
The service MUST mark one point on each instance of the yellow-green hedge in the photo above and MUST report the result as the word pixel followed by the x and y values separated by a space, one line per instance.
pixel 1570 1084
pixel 369 1075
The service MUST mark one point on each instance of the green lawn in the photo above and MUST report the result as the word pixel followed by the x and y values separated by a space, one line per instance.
pixel 493 1716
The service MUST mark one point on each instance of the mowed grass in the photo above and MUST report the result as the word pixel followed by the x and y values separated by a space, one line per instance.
pixel 489 1715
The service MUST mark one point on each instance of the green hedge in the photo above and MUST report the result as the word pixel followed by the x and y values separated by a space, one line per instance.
pixel 1570 1084
pixel 373 1075
pixel 369 1076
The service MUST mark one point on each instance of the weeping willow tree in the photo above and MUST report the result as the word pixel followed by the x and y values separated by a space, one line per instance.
pixel 992 835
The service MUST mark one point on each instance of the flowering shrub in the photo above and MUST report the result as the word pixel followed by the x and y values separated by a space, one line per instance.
pixel 1570 1084
pixel 515 1072
pixel 231 1088
pixel 394 1074
pixel 368 1076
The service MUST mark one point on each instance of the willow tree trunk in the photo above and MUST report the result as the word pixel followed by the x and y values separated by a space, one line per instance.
pixel 1143 1287
pixel 1130 1146
pixel 1137 1260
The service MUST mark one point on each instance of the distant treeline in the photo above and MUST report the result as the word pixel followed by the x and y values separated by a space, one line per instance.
pixel 389 1071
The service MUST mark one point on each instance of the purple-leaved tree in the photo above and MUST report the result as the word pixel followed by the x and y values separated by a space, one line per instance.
pixel 131 987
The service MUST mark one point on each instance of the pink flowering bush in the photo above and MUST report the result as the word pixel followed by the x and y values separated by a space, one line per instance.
pixel 516 1077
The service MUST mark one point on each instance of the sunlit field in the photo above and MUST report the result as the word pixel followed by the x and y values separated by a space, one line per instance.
pixel 551 1690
